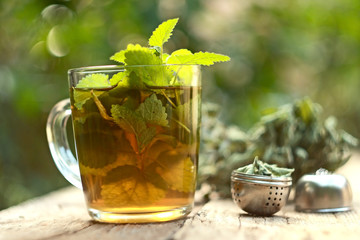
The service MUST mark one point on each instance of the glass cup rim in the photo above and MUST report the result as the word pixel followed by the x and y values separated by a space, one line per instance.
pixel 119 67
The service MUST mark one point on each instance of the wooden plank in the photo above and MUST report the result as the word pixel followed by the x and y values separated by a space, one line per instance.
pixel 57 213
pixel 62 215
pixel 221 219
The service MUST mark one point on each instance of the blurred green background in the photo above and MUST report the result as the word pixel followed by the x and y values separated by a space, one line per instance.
pixel 281 50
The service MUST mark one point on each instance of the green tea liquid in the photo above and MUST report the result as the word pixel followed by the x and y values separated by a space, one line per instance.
pixel 137 149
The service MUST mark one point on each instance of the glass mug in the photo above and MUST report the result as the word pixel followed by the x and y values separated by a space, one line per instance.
pixel 137 144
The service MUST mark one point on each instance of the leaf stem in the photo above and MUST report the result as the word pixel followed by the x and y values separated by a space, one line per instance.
pixel 166 96
pixel 101 107
pixel 177 97
pixel 182 125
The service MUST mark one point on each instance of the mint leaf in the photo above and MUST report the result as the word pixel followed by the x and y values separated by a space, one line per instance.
pixel 153 111
pixel 176 168
pixel 96 80
pixel 117 78
pixel 127 186
pixel 120 56
pixel 123 158
pixel 164 57
pixel 152 75
pixel 161 143
pixel 93 143
pixel 127 80
pixel 172 59
pixel 132 122
pixel 150 112
pixel 163 32
pixel 200 58
pixel 152 72
pixel 82 96
pixel 93 81
pixel 144 56
pixel 127 119
pixel 136 55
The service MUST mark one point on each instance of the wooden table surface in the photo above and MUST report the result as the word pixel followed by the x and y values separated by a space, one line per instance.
pixel 62 215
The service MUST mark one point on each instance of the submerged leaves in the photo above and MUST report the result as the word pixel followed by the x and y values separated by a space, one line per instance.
pixel 170 169
pixel 136 121
pixel 127 185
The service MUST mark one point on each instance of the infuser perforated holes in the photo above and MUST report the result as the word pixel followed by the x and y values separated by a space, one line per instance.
pixel 236 193
pixel 274 196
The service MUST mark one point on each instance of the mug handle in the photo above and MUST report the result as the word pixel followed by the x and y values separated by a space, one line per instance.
pixel 58 142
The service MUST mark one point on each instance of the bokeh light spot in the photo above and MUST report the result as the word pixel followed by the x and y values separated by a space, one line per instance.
pixel 56 42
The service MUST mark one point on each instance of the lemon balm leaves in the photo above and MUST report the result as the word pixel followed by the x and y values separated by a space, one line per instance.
pixel 173 58
pixel 163 33
pixel 133 123
pixel 131 185
pixel 153 111
pixel 80 98
pixel 93 142
pixel 177 170
pixel 128 185
pixel 142 56
pixel 88 82
pixel 141 121
pixel 152 72
pixel 138 55
pixel 95 82
pixel 155 73
pixel 117 78
pixel 184 56
pixel 120 56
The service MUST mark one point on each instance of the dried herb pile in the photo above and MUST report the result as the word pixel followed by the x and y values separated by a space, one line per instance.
pixel 260 168
pixel 290 136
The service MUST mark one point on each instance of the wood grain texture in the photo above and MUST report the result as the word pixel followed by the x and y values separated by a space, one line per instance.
pixel 62 215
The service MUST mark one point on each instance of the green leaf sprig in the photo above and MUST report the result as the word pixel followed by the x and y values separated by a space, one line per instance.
pixel 161 69
pixel 150 112
pixel 138 55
